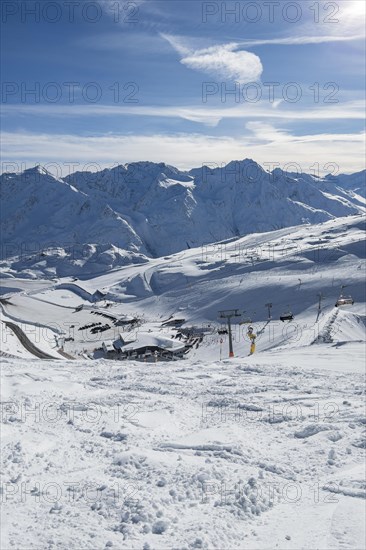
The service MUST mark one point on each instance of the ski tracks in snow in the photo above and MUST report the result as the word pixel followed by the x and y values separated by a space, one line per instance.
pixel 183 455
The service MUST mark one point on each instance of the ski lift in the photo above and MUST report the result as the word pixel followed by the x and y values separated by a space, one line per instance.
pixel 222 331
pixel 344 301
pixel 287 316
pixel 246 321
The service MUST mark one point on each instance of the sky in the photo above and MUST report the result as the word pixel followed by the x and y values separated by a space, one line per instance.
pixel 93 84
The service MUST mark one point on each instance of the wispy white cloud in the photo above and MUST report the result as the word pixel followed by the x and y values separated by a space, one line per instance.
pixel 267 133
pixel 225 61
pixel 335 22
pixel 179 44
pixel 299 40
pixel 343 19
pixel 352 16
pixel 264 143
pixel 210 116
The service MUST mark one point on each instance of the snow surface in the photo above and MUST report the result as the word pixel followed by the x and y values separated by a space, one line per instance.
pixel 258 452
pixel 250 453
pixel 288 268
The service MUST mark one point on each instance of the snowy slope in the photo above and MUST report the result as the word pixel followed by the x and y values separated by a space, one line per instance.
pixel 235 454
pixel 46 220
pixel 352 182
pixel 258 452
pixel 92 222
pixel 288 268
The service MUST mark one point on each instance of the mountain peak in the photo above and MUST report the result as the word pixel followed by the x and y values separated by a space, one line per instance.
pixel 161 209
pixel 38 169
pixel 38 173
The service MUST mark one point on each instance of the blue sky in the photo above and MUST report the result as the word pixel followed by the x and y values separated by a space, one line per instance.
pixel 117 81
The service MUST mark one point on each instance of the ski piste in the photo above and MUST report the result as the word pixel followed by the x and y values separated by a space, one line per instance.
pixel 102 424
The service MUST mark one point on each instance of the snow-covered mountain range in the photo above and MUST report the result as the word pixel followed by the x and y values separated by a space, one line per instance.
pixel 92 222
pixel 145 452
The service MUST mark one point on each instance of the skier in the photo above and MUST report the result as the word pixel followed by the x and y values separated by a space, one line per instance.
pixel 252 338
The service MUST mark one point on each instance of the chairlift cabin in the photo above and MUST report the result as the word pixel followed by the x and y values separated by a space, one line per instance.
pixel 286 316
pixel 344 301
pixel 246 321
